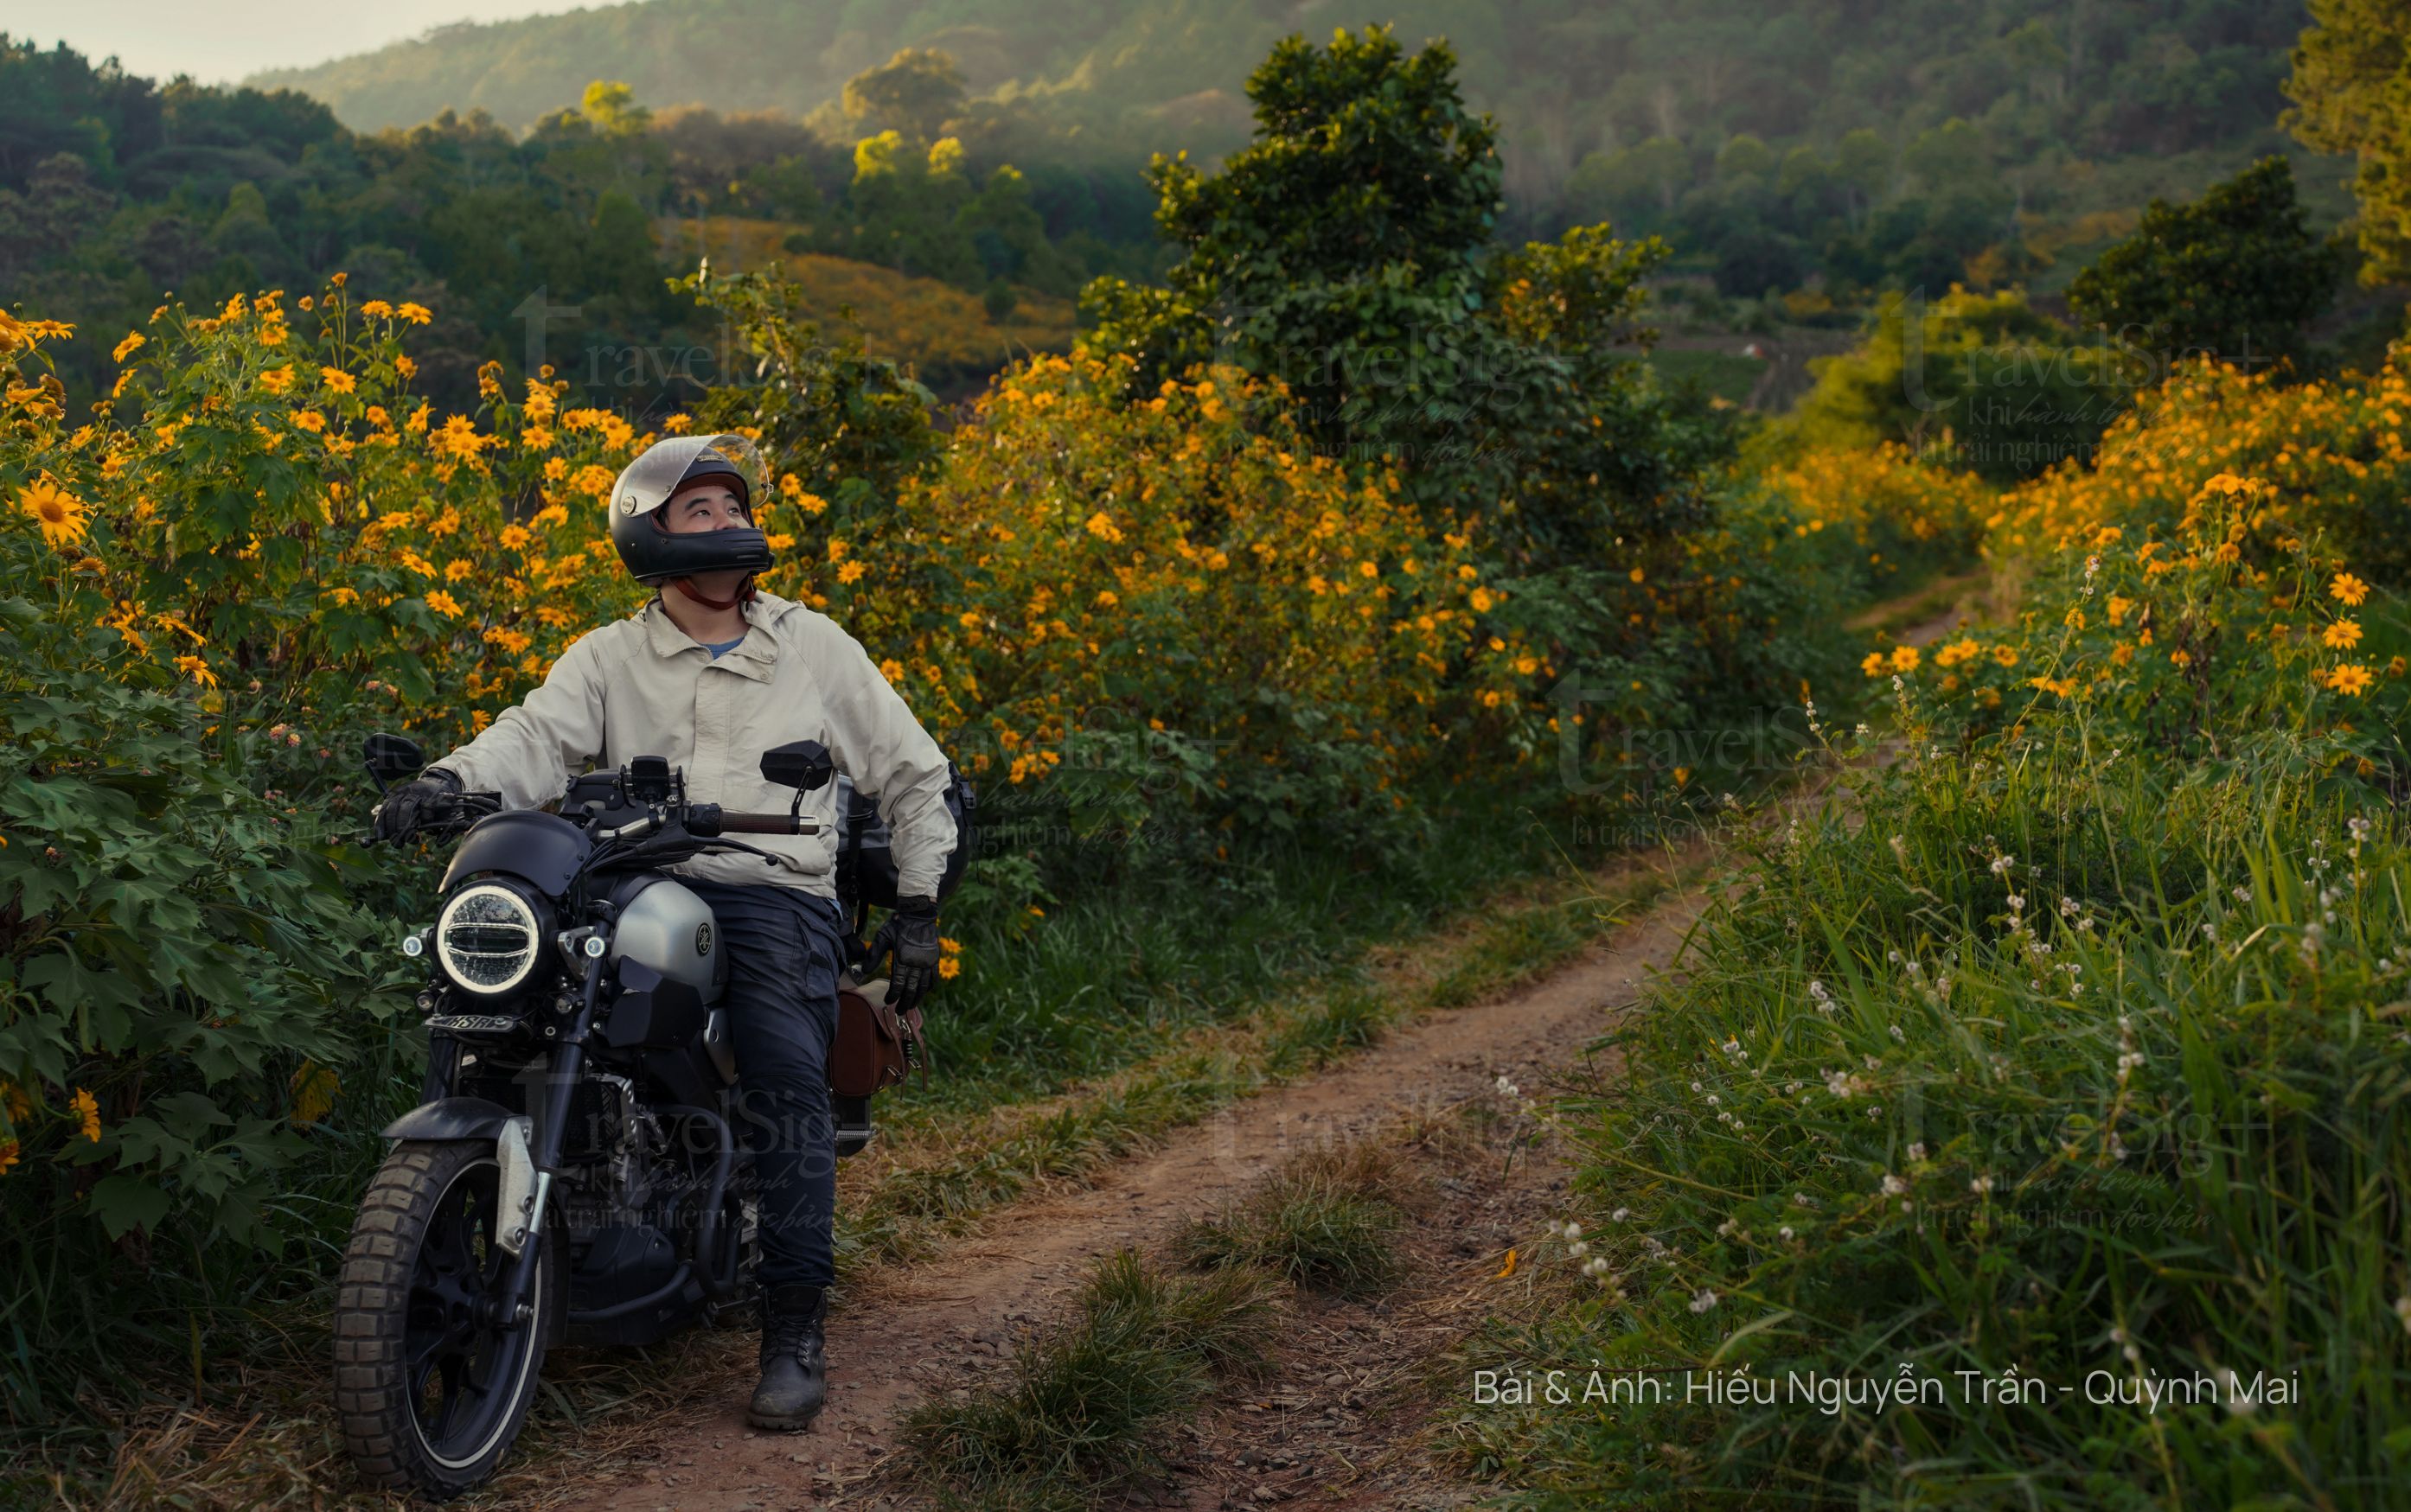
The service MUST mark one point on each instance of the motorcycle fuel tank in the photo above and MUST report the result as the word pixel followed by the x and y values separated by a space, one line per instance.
pixel 665 926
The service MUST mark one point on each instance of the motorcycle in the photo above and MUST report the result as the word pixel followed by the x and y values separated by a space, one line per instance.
pixel 571 1176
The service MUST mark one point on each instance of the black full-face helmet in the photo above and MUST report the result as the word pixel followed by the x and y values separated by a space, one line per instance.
pixel 655 555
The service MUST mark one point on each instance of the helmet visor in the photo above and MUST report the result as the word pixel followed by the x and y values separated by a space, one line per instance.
pixel 653 478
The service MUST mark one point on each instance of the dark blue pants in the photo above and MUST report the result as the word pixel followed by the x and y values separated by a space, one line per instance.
pixel 785 948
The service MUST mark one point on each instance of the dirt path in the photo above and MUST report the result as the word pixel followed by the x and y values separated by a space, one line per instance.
pixel 1364 1393
pixel 925 1329
pixel 940 1326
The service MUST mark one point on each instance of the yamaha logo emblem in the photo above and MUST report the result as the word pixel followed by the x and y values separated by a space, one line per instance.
pixel 703 940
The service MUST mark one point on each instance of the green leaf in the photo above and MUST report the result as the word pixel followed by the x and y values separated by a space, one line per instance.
pixel 100 1000
pixel 123 1203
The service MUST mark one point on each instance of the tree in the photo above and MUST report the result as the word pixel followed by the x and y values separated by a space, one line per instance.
pixel 1346 250
pixel 1010 237
pixel 58 207
pixel 1648 176
pixel 915 93
pixel 612 106
pixel 907 202
pixel 1403 185
pixel 1947 157
pixel 1864 167
pixel 1982 380
pixel 2035 52
pixel 1381 148
pixel 1744 156
pixel 1803 175
pixel 2351 86
pixel 2235 273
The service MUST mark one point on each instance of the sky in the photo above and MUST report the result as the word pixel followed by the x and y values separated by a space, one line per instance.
pixel 220 41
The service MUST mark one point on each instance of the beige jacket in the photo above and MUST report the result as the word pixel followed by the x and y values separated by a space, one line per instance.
pixel 643 687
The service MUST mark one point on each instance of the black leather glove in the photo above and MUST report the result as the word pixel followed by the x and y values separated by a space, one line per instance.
pixel 912 934
pixel 407 806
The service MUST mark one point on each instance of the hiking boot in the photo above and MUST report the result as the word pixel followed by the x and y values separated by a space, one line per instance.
pixel 851 1119
pixel 792 1385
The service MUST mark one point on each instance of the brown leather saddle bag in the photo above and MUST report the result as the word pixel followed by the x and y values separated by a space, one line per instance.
pixel 876 1048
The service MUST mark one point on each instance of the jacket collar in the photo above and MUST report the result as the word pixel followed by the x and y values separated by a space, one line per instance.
pixel 756 657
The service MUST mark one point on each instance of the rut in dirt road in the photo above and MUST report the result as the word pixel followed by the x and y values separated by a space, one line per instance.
pixel 907 1333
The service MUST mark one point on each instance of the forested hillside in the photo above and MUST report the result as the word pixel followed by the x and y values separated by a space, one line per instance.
pixel 1871 140
pixel 114 188
pixel 1801 159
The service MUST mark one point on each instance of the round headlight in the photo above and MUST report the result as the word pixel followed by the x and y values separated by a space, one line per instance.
pixel 485 939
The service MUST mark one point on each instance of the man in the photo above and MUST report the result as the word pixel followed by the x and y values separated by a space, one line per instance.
pixel 709 674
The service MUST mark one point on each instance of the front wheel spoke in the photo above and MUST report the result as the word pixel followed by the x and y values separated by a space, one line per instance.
pixel 436 1347
pixel 453 1254
pixel 448 1292
pixel 449 1367
pixel 422 1365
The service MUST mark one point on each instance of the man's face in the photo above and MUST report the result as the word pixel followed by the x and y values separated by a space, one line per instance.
pixel 708 505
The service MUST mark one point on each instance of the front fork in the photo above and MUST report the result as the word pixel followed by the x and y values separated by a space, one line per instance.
pixel 508 1305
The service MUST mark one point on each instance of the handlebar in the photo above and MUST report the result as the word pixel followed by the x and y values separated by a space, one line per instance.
pixel 710 818
pixel 468 806
pixel 455 812
pixel 447 815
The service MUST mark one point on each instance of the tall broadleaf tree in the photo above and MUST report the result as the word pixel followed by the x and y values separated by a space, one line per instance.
pixel 2236 273
pixel 2351 86
pixel 1348 251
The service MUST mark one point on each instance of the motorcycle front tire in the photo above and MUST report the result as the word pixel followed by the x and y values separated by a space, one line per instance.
pixel 430 1397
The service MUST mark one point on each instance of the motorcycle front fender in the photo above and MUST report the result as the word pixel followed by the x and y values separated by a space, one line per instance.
pixel 451 1118
pixel 475 1118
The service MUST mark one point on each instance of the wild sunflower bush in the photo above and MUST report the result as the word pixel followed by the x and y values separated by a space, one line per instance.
pixel 1119 599
pixel 2331 453
pixel 1176 588
pixel 2199 642
pixel 1892 517
pixel 264 545
pixel 260 549
pixel 2060 1063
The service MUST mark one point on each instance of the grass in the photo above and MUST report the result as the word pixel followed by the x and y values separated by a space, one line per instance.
pixel 1071 1421
pixel 2075 1044
pixel 1326 1220
pixel 1078 1412
pixel 1096 985
pixel 1726 375
pixel 912 1207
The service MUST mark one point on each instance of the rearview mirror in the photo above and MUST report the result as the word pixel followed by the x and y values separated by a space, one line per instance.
pixel 391 758
pixel 801 764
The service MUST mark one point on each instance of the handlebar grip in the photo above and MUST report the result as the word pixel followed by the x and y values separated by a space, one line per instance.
pixel 768 824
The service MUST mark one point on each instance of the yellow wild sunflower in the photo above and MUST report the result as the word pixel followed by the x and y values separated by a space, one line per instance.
pixel 2349 678
pixel 59 514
